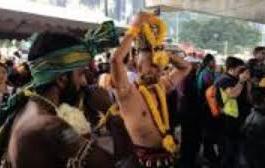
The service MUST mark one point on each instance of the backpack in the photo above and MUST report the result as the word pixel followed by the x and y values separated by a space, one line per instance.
pixel 228 106
pixel 211 98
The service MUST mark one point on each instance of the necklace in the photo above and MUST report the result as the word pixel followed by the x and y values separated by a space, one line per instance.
pixel 161 119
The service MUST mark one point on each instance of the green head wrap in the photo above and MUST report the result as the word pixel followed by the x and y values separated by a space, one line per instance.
pixel 48 67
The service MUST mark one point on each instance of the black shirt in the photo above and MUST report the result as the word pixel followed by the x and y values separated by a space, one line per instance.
pixel 226 81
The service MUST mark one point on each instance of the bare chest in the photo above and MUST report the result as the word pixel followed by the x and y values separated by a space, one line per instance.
pixel 138 119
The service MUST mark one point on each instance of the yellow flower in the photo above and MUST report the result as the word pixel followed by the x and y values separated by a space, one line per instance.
pixel 152 107
pixel 161 59
pixel 150 35
pixel 161 120
pixel 169 144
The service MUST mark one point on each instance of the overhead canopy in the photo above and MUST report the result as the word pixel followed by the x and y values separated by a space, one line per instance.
pixel 21 20
pixel 250 10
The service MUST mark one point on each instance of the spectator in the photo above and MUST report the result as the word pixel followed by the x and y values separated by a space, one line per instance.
pixel 205 78
pixel 254 129
pixel 257 64
pixel 235 85
pixel 206 74
pixel 259 54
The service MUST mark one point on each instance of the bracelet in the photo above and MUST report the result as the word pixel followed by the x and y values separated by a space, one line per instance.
pixel 133 31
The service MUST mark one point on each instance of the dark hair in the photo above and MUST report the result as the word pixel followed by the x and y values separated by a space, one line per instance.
pixel 9 63
pixel 48 42
pixel 255 70
pixel 258 49
pixel 233 62
pixel 207 59
pixel 258 95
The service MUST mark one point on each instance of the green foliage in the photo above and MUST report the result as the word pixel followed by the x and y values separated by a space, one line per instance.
pixel 211 32
pixel 216 33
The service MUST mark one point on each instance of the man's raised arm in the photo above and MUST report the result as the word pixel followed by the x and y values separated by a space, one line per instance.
pixel 118 71
pixel 180 72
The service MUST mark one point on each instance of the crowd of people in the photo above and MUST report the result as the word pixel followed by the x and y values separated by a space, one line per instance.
pixel 57 107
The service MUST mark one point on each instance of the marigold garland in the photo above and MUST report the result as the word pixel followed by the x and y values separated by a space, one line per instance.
pixel 162 97
pixel 150 35
pixel 162 124
pixel 155 113
pixel 160 58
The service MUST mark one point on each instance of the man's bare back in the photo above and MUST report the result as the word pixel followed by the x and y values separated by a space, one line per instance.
pixel 41 139
pixel 32 135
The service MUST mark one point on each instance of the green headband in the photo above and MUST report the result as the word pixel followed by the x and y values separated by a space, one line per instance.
pixel 47 68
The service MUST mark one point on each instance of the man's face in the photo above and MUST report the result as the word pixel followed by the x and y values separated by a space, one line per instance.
pixel 149 73
pixel 241 69
pixel 260 56
pixel 71 93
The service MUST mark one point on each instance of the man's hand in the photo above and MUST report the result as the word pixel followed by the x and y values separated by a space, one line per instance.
pixel 118 71
pixel 244 76
pixel 175 76
pixel 141 18
pixel 237 89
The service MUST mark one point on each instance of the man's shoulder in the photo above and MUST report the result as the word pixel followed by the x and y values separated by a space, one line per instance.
pixel 225 81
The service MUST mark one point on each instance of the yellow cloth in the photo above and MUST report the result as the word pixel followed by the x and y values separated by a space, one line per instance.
pixel 230 105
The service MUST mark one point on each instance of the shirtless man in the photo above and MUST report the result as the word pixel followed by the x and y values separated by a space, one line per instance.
pixel 39 138
pixel 133 107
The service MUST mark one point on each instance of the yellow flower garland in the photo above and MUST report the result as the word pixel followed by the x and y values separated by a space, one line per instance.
pixel 161 59
pixel 155 113
pixel 162 97
pixel 149 34
pixel 162 124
